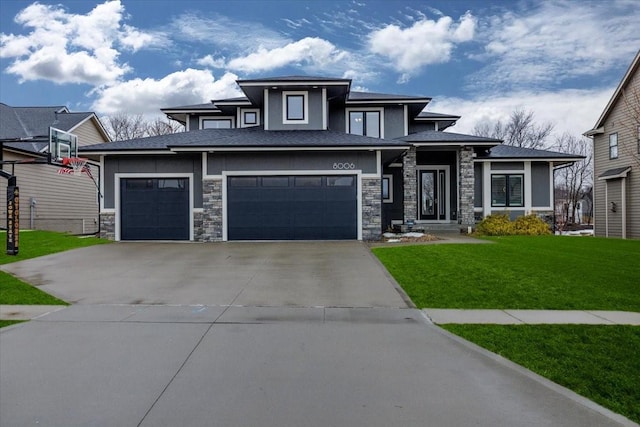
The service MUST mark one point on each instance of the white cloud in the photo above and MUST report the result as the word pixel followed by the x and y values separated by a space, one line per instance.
pixel 311 51
pixel 210 61
pixel 555 41
pixel 570 110
pixel 71 48
pixel 147 96
pixel 425 42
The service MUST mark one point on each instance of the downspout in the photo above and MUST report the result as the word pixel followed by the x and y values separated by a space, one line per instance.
pixel 624 207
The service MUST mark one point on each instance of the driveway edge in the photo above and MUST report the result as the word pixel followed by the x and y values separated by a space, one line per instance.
pixel 390 278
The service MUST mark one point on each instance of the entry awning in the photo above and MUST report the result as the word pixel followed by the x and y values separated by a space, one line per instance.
pixel 615 173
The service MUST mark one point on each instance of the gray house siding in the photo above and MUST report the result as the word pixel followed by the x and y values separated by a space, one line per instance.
pixel 191 163
pixel 415 127
pixel 314 114
pixel 540 192
pixel 337 119
pixel 393 122
pixel 503 166
pixel 291 161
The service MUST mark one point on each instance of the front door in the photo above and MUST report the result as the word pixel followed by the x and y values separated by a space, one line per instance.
pixel 432 188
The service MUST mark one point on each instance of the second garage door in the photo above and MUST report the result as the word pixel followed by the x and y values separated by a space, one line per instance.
pixel 292 207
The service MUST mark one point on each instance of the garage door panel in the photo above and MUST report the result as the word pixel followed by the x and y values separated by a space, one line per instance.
pixel 308 208
pixel 154 209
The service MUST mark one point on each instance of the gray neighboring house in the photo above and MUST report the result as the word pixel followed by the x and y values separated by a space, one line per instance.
pixel 48 200
pixel 303 157
pixel 616 160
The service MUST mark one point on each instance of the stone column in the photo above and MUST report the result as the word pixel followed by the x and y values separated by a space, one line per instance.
pixel 108 226
pixel 212 210
pixel 410 185
pixel 371 208
pixel 466 215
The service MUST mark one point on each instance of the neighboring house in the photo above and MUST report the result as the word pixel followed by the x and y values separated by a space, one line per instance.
pixel 48 200
pixel 616 160
pixel 307 158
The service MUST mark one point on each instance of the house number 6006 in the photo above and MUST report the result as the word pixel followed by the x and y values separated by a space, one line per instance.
pixel 344 166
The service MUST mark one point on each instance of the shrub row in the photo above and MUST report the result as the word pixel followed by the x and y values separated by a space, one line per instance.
pixel 501 225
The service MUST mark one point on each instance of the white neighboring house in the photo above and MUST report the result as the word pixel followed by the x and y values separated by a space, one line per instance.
pixel 48 200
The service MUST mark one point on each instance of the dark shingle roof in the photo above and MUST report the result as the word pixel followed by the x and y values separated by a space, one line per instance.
pixel 371 96
pixel 435 136
pixel 32 124
pixel 250 137
pixel 616 172
pixel 296 79
pixel 511 152
pixel 205 106
pixel 430 115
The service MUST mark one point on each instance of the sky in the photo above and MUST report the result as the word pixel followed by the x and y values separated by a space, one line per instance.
pixel 480 59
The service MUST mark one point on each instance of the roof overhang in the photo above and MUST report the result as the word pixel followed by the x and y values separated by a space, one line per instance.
pixel 596 131
pixel 263 148
pixel 455 144
pixel 615 173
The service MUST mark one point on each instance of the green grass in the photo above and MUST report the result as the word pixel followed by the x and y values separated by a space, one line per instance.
pixel 520 272
pixel 34 244
pixel 4 323
pixel 601 363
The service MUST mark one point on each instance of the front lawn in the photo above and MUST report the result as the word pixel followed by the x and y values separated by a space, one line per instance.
pixel 601 363
pixel 520 272
pixel 34 244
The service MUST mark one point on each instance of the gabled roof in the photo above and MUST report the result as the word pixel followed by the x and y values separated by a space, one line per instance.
pixel 254 137
pixel 31 124
pixel 615 173
pixel 433 137
pixel 502 152
pixel 633 68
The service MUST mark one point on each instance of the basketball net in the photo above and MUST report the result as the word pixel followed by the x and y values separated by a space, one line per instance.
pixel 73 166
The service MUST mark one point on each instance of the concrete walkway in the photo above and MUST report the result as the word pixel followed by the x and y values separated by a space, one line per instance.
pixel 436 315
pixel 533 317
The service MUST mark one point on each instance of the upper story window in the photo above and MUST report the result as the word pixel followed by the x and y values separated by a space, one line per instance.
pixel 613 146
pixel 249 118
pixel 295 107
pixel 216 123
pixel 507 190
pixel 366 123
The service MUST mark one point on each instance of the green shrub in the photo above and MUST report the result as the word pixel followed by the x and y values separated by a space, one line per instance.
pixel 496 225
pixel 531 225
pixel 501 225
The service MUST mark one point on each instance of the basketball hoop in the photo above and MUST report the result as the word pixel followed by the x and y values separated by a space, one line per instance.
pixel 73 166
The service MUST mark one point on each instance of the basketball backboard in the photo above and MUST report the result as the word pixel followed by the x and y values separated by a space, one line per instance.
pixel 62 144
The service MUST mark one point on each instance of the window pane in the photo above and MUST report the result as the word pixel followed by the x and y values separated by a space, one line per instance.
pixel 308 181
pixel 216 124
pixel 250 118
pixel 275 181
pixel 356 123
pixel 498 190
pixel 515 190
pixel 295 107
pixel 613 146
pixel 385 188
pixel 340 181
pixel 373 124
pixel 176 183
pixel 243 181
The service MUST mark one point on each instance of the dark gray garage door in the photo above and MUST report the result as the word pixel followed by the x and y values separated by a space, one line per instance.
pixel 292 207
pixel 154 209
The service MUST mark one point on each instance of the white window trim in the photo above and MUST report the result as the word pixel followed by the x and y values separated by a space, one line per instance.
pixel 617 145
pixel 249 110
pixel 305 106
pixel 390 198
pixel 201 119
pixel 348 111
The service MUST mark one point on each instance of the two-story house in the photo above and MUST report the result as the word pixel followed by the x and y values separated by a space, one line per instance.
pixel 305 157
pixel 49 201
pixel 616 160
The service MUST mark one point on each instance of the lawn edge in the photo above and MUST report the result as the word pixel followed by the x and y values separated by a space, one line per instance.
pixel 578 398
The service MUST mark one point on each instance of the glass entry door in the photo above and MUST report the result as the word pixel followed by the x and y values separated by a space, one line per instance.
pixel 432 187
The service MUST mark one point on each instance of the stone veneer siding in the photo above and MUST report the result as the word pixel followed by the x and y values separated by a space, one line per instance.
pixel 197 226
pixel 108 226
pixel 410 185
pixel 371 208
pixel 211 228
pixel 466 187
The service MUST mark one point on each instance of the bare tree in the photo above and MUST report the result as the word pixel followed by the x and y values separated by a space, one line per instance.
pixel 123 126
pixel 631 98
pixel 573 181
pixel 163 127
pixel 520 130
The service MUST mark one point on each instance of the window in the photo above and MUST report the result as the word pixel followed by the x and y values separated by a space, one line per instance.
pixel 387 188
pixel 295 107
pixel 243 181
pixel 308 181
pixel 507 190
pixel 613 146
pixel 216 124
pixel 250 118
pixel 365 123
pixel 340 181
pixel 275 181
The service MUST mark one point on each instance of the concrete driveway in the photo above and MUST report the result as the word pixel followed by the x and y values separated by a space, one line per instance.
pixel 305 274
